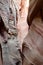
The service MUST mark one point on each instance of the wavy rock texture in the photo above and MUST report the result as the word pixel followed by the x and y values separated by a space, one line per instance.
pixel 33 43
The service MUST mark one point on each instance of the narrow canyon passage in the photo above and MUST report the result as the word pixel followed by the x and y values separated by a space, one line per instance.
pixel 21 32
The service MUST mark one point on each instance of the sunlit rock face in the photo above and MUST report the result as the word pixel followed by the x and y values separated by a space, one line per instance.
pixel 22 23
pixel 22 10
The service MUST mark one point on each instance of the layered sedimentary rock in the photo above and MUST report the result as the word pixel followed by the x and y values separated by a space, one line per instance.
pixel 33 42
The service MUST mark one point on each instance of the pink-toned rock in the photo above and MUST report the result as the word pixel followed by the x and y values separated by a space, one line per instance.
pixel 33 42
